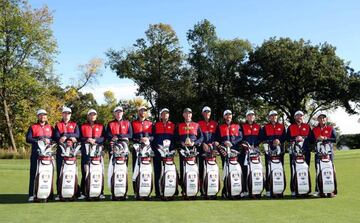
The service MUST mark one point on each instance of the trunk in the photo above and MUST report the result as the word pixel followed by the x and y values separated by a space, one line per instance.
pixel 8 123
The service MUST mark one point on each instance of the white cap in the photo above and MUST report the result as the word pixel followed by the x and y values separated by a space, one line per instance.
pixel 322 114
pixel 299 113
pixel 41 112
pixel 250 112
pixel 206 108
pixel 92 111
pixel 227 112
pixel 142 107
pixel 66 109
pixel 118 108
pixel 273 112
pixel 164 110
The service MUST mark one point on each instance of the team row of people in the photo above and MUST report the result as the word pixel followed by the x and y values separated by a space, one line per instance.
pixel 201 134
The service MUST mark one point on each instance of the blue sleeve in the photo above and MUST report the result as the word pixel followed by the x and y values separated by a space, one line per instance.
pixel 200 139
pixel 238 138
pixel 283 136
pixel 333 136
pixel 108 134
pixel 29 136
pixel 57 135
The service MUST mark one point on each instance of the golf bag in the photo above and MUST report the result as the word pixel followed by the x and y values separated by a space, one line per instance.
pixel 211 176
pixel 300 170
pixel 255 175
pixel 143 172
pixel 118 170
pixel 190 178
pixel 94 179
pixel 68 178
pixel 232 174
pixel 276 175
pixel 44 172
pixel 168 181
pixel 325 170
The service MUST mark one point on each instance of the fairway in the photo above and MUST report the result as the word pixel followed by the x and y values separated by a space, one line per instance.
pixel 344 208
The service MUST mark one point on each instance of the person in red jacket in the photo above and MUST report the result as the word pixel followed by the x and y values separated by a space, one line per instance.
pixel 93 133
pixel 299 132
pixel 119 129
pixel 229 135
pixel 208 129
pixel 41 130
pixel 251 134
pixel 323 133
pixel 273 133
pixel 188 134
pixel 162 130
pixel 64 130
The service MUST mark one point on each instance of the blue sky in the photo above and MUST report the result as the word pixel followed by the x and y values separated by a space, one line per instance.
pixel 85 29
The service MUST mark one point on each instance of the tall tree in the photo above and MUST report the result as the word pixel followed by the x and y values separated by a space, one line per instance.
pixel 296 75
pixel 218 67
pixel 27 47
pixel 154 64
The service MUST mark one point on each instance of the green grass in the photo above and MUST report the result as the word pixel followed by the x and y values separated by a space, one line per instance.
pixel 344 208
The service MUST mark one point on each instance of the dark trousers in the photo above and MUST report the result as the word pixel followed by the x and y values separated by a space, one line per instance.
pixel 267 169
pixel 33 167
pixel 244 169
pixel 157 171
pixel 59 160
pixel 307 155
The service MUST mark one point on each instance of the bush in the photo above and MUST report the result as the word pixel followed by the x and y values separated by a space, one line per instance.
pixel 22 153
pixel 352 141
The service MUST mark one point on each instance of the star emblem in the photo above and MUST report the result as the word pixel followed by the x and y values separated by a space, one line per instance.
pixel 97 129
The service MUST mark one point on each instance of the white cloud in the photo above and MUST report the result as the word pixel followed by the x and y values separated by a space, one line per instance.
pixel 348 124
pixel 121 91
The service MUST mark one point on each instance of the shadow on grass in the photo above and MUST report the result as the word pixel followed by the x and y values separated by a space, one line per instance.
pixel 13 198
pixel 23 198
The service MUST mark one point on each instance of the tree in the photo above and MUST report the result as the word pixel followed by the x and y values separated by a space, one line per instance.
pixel 218 69
pixel 154 64
pixel 27 47
pixel 89 73
pixel 296 75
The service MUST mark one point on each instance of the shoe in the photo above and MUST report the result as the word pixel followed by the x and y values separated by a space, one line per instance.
pixel 316 194
pixel 267 194
pixel 293 194
pixel 102 197
pixel 57 198
pixel 82 197
pixel 31 199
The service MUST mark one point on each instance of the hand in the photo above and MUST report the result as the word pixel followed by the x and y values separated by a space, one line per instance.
pixel 91 140
pixel 320 138
pixel 227 144
pixel 205 147
pixel 276 142
pixel 115 138
pixel 73 139
pixel 47 141
pixel 299 139
pixel 190 144
pixel 216 144
pixel 62 139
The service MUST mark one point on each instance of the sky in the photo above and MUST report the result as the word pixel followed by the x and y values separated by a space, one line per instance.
pixel 86 29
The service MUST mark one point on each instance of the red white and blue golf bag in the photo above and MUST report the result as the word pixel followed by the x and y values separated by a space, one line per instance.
pixel 44 172
pixel 300 170
pixel 118 170
pixel 169 180
pixel 255 174
pixel 211 176
pixel 232 174
pixel 94 179
pixel 325 170
pixel 190 178
pixel 143 171
pixel 276 175
pixel 68 178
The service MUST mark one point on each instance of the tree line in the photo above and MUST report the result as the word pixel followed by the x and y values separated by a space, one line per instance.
pixel 281 73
